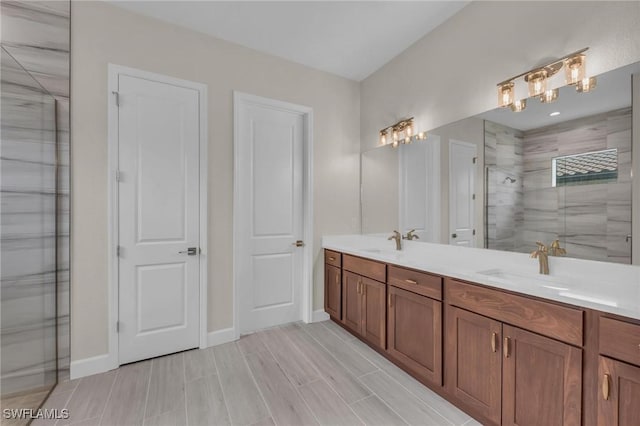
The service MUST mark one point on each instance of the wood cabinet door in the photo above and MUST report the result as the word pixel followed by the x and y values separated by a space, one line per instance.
pixel 542 380
pixel 374 313
pixel 619 393
pixel 332 291
pixel 414 333
pixel 474 362
pixel 351 301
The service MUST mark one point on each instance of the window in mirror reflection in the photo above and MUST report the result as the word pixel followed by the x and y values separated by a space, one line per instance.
pixel 586 168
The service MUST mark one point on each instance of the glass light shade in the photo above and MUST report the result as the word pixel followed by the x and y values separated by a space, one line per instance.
pixel 383 138
pixel 505 94
pixel 575 69
pixel 395 136
pixel 549 96
pixel 586 85
pixel 409 130
pixel 519 106
pixel 537 82
pixel 394 144
pixel 407 140
pixel 422 135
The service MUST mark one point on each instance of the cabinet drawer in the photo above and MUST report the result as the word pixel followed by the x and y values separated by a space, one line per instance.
pixel 333 258
pixel 365 267
pixel 417 282
pixel 620 340
pixel 548 319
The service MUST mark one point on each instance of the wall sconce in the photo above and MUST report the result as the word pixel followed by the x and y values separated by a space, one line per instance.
pixel 537 80
pixel 403 132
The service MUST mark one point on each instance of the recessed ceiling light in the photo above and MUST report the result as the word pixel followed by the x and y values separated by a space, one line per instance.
pixel 553 114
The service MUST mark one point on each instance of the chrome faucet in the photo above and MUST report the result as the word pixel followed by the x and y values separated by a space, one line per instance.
pixel 410 236
pixel 398 237
pixel 556 250
pixel 541 253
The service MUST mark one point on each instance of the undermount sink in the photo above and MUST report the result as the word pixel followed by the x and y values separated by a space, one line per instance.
pixel 544 280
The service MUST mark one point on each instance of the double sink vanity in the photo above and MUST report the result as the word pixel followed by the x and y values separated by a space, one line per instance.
pixel 486 331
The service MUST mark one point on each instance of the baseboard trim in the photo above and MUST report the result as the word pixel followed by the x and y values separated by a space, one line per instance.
pixel 89 366
pixel 219 337
pixel 320 315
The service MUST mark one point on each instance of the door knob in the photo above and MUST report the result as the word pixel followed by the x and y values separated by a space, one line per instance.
pixel 191 251
pixel 299 243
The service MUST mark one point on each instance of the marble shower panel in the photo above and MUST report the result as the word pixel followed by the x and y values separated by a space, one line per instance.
pixel 35 196
pixel 37 34
pixel 28 228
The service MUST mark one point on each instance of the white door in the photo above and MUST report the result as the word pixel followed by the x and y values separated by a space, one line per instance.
pixel 420 188
pixel 269 191
pixel 158 143
pixel 461 193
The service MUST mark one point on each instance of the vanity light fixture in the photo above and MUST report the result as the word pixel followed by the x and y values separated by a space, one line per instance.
pixel 549 96
pixel 402 132
pixel 519 105
pixel 538 80
pixel 586 85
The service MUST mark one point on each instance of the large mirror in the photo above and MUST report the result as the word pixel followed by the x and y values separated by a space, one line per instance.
pixel 504 180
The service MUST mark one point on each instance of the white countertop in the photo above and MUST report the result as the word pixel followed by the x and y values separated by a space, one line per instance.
pixel 607 287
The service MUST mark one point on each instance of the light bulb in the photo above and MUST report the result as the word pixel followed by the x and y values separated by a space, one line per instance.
pixel 586 85
pixel 519 106
pixel 383 138
pixel 575 68
pixel 537 82
pixel 409 130
pixel 505 94
pixel 549 96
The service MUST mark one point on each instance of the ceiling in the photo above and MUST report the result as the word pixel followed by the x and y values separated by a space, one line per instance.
pixel 612 92
pixel 349 38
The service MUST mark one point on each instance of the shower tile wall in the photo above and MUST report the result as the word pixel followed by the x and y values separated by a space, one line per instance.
pixel 37 35
pixel 591 220
pixel 505 201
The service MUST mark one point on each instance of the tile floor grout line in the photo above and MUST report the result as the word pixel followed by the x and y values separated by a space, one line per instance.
pixel 113 384
pixel 321 376
pixel 406 388
pixel 146 398
pixel 327 350
pixel 184 390
pixel 385 403
pixel 255 382
pixel 295 388
pixel 73 391
pixel 224 396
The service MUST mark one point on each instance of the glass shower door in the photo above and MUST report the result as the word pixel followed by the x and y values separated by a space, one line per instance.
pixel 28 239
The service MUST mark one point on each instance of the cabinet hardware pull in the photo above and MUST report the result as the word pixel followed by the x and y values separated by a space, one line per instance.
pixel 390 301
pixel 332 259
pixel 411 281
pixel 505 347
pixel 494 343
pixel 605 387
pixel 337 279
pixel 358 287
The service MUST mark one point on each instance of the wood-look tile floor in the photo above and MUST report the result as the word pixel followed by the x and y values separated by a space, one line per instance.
pixel 293 375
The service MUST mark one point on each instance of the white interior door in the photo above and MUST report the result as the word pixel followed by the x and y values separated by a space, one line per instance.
pixel 461 193
pixel 158 204
pixel 419 188
pixel 269 191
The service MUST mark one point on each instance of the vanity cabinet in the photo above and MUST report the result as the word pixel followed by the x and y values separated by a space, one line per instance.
pixel 333 284
pixel 541 380
pixel 513 375
pixel 474 362
pixel 364 299
pixel 414 324
pixel 619 401
pixel 619 373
